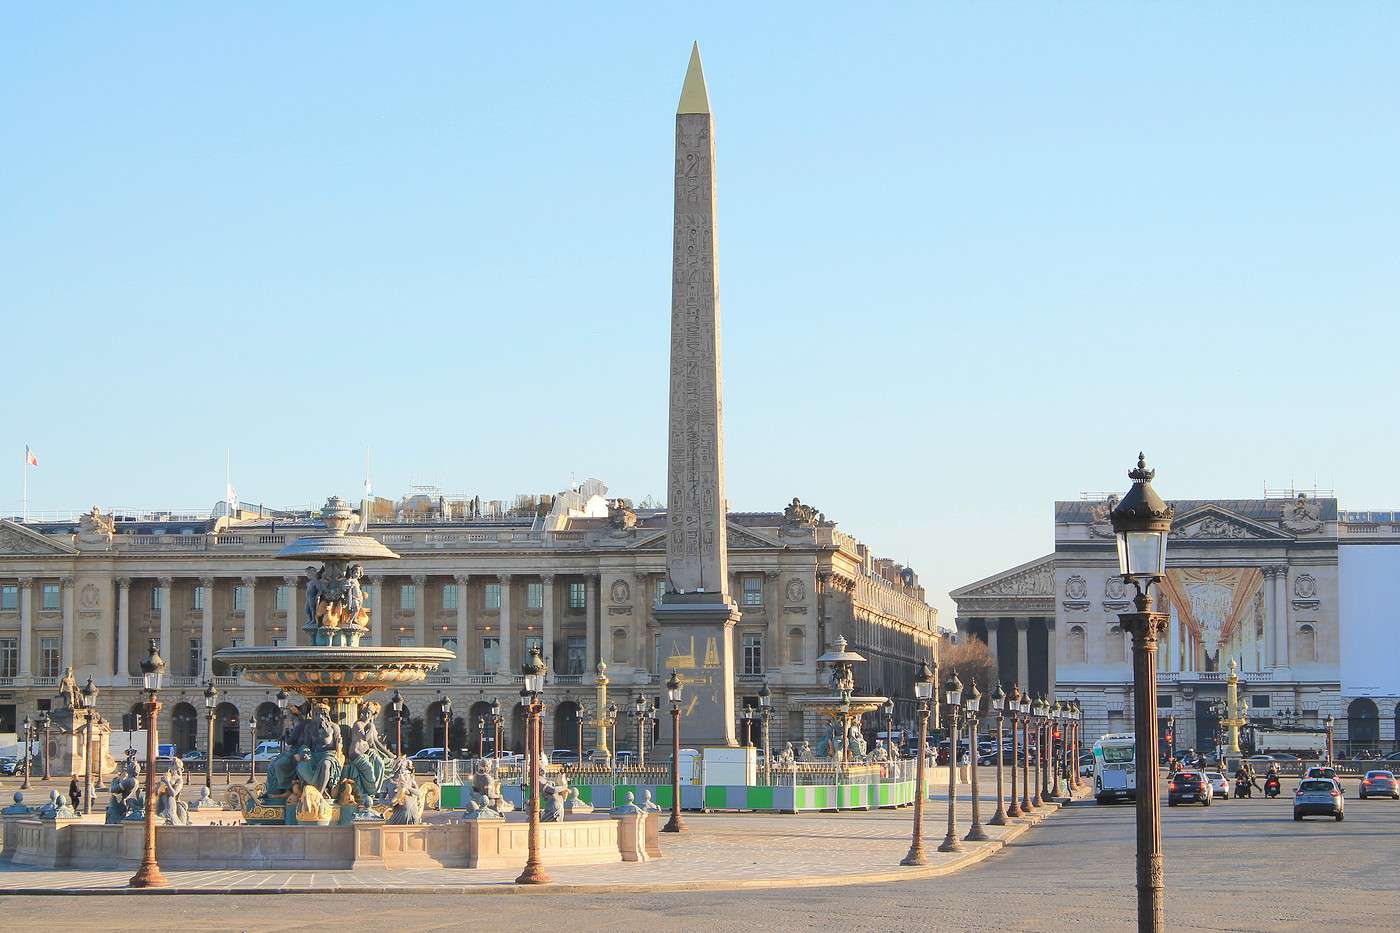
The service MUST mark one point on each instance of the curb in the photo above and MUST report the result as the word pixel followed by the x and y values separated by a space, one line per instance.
pixel 978 852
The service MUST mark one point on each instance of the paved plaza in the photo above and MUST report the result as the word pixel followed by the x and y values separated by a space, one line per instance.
pixel 1239 865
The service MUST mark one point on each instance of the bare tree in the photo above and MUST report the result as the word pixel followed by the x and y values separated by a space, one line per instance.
pixel 972 660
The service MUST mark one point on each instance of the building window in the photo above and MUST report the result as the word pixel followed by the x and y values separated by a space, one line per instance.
pixel 1164 701
pixel 406 641
pixel 578 596
pixel 449 596
pixel 1259 701
pixel 450 643
pixel 659 593
pixel 577 655
pixel 753 591
pixel 9 597
pixel 157 597
pixel 490 653
pixel 48 596
pixel 240 599
pixel 657 662
pixel 797 645
pixel 534 596
pixel 753 654
pixel 493 596
pixel 9 657
pixel 198 598
pixel 408 596
pixel 50 658
pixel 284 597
pixel 196 657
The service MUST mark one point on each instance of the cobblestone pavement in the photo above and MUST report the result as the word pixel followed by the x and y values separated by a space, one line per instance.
pixel 1239 865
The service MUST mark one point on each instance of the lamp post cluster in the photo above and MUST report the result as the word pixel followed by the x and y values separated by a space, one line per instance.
pixel 644 711
pixel 953 697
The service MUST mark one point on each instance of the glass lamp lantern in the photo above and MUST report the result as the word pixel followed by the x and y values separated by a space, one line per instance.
pixel 998 700
pixel 211 696
pixel 534 672
pixel 673 687
pixel 923 682
pixel 495 708
pixel 1141 522
pixel 973 700
pixel 765 696
pixel 282 700
pixel 396 704
pixel 952 691
pixel 152 669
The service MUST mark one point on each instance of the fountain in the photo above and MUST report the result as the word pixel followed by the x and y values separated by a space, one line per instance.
pixel 334 765
pixel 842 708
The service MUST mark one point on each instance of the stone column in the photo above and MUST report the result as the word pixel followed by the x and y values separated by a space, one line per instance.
pixel 1281 616
pixel 123 671
pixel 590 622
pixel 166 592
pixel 206 632
pixel 547 613
pixel 1174 645
pixel 462 581
pixel 376 609
pixel 993 628
pixel 70 655
pixel 250 611
pixel 1052 647
pixel 506 663
pixel 1270 639
pixel 26 628
pixel 290 581
pixel 773 640
pixel 1023 654
pixel 420 609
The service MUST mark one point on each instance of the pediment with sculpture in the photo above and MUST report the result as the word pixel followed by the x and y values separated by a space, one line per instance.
pixel 15 539
pixel 1213 523
pixel 1034 580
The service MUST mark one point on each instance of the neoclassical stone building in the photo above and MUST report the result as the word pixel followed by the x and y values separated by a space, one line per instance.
pixel 1282 586
pixel 486 583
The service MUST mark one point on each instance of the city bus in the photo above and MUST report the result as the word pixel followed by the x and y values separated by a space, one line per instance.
pixel 1115 774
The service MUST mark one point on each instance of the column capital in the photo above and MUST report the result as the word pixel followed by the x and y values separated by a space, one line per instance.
pixel 165 582
pixel 419 579
pixel 1023 624
pixel 503 577
pixel 207 582
pixel 547 578
pixel 462 579
pixel 375 579
pixel 292 579
pixel 123 582
pixel 66 582
pixel 250 581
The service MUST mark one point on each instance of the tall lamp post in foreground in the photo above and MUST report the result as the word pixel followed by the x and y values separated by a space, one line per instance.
pixel 973 703
pixel 211 702
pixel 998 705
pixel 87 701
pixel 923 694
pixel 446 728
pixel 253 756
pixel 1330 723
pixel 952 695
pixel 673 693
pixel 1033 722
pixel 1013 706
pixel 44 723
pixel 1023 708
pixel 1141 522
pixel 531 698
pixel 396 705
pixel 152 669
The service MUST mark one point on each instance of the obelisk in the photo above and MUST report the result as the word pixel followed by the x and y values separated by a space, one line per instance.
pixel 697 615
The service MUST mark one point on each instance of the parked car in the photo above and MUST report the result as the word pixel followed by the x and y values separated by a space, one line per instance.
pixel 1285 756
pixel 193 756
pixel 1319 797
pixel 1086 765
pixel 564 756
pixel 1379 784
pixel 1261 762
pixel 1219 787
pixel 266 751
pixel 1189 787
pixel 9 766
pixel 428 754
pixel 1393 756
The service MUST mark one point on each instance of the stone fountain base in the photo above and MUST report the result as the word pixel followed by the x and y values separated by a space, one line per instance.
pixel 585 840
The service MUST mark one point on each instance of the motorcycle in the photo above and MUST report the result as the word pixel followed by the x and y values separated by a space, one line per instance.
pixel 1242 788
pixel 1272 787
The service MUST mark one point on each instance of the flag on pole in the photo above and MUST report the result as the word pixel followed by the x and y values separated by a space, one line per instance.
pixel 29 457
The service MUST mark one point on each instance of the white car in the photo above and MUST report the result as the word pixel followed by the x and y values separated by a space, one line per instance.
pixel 266 751
pixel 1219 787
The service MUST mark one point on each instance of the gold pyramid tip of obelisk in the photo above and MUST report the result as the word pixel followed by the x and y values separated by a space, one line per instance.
pixel 694 97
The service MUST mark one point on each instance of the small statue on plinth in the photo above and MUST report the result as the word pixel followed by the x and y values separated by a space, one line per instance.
pixel 169 806
pixel 17 808
pixel 647 805
pixel 575 803
pixel 806 753
pixel 369 758
pixel 552 797
pixel 68 690
pixel 628 807
pixel 205 801
pixel 125 793
pixel 483 798
pixel 59 807
pixel 786 758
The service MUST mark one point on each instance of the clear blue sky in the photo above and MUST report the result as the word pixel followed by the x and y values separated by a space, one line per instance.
pixel 443 232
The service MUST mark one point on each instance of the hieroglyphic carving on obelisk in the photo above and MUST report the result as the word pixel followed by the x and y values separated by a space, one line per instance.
pixel 696 557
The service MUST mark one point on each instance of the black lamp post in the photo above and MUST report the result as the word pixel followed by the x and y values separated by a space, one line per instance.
pixel 1025 708
pixel 152 670
pixel 1077 713
pixel 973 705
pixel 44 723
pixel 1141 522
pixel 1058 714
pixel 923 695
pixel 998 706
pixel 580 719
pixel 446 728
pixel 531 697
pixel 396 704
pixel 1330 724
pixel 253 755
pixel 497 724
pixel 609 722
pixel 211 702
pixel 747 716
pixel 27 730
pixel 673 693
pixel 889 728
pixel 1013 707
pixel 953 696
pixel 765 715
pixel 87 699
pixel 282 699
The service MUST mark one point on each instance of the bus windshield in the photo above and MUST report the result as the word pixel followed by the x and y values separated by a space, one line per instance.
pixel 1117 753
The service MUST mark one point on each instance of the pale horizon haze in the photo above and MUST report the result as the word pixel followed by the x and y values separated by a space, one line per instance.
pixel 973 257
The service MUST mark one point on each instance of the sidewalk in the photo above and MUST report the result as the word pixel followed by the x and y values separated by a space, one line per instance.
pixel 722 851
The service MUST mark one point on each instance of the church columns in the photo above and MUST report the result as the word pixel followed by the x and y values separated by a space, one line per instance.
pixel 547 620
pixel 1174 644
pixel 294 609
pixel 376 609
pixel 420 609
pixel 1023 654
pixel 1052 647
pixel 992 628
pixel 1280 575
pixel 463 583
pixel 206 634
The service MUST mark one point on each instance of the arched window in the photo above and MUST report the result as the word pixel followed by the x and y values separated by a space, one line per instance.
pixel 1116 647
pixel 796 645
pixel 1363 725
pixel 184 727
pixel 619 646
pixel 1076 644
pixel 1305 651
pixel 227 731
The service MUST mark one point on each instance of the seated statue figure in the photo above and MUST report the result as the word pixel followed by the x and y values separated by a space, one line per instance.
pixel 403 795
pixel 368 758
pixel 484 794
pixel 318 758
pixel 169 806
pixel 124 789
pixel 58 808
pixel 856 742
pixel 552 797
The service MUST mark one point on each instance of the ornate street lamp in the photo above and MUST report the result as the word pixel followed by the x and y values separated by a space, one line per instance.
pixel 282 700
pixel 889 728
pixel 1330 723
pixel 673 693
pixel 765 714
pixel 44 723
pixel 27 730
pixel 1142 520
pixel 1038 719
pixel 1013 707
pixel 973 705
pixel 531 697
pixel 152 670
pixel 609 724
pixel 211 702
pixel 923 694
pixel 953 696
pixel 497 724
pixel 396 704
pixel 1077 713
pixel 253 755
pixel 998 703
pixel 747 717
pixel 87 699
pixel 1025 708
pixel 580 718
pixel 1057 714
pixel 446 728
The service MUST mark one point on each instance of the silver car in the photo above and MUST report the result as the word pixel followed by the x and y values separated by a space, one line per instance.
pixel 1379 784
pixel 1219 787
pixel 1318 797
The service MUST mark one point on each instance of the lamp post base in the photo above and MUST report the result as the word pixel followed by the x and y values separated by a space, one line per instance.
pixel 534 873
pixel 976 834
pixel 675 825
pixel 950 844
pixel 148 876
pixel 998 819
pixel 915 857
